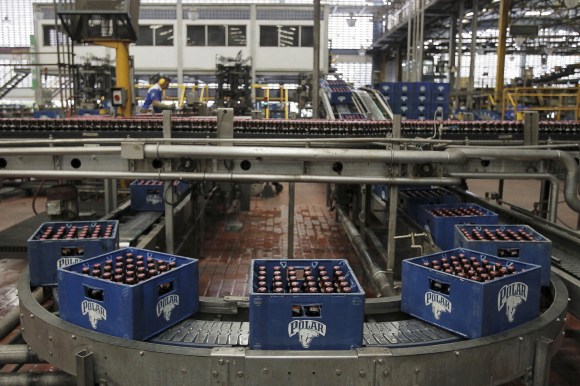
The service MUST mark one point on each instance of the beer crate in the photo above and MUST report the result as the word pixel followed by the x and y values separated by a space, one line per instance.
pixel 137 311
pixel 150 195
pixel 412 199
pixel 442 227
pixel 532 248
pixel 46 254
pixel 305 321
pixel 469 308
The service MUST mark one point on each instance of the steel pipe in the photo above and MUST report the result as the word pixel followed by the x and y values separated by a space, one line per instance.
pixel 72 150
pixel 229 177
pixel 379 277
pixel 37 379
pixel 302 154
pixel 18 354
pixel 554 191
pixel 570 181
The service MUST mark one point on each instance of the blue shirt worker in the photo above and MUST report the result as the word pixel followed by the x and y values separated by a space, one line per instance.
pixel 155 95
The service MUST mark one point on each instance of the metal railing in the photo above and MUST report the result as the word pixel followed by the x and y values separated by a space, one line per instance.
pixel 545 99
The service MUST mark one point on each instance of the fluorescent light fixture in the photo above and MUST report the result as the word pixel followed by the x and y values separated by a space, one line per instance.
pixel 469 14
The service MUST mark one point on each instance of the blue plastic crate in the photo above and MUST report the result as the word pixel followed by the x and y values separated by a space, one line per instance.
pixel 45 254
pixel 129 311
pixel 537 250
pixel 149 195
pixel 306 321
pixel 442 228
pixel 466 307
pixel 412 200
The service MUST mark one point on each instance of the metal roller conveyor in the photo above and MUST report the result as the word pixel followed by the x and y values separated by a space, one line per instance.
pixel 214 351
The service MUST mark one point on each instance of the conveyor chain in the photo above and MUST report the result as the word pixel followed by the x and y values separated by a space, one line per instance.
pixel 202 333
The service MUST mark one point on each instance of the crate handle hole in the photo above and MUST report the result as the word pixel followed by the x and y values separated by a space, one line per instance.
pixel 72 251
pixel 94 293
pixel 508 253
pixel 165 288
pixel 310 311
pixel 440 287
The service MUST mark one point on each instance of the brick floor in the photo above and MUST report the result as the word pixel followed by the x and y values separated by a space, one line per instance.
pixel 225 266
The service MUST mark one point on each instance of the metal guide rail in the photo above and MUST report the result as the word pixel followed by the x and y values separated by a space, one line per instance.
pixel 214 352
pixel 151 127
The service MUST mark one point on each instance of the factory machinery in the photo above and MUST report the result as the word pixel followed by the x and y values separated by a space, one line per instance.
pixel 212 347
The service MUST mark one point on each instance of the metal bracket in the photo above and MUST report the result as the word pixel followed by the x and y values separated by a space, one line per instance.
pixel 133 150
pixel 227 366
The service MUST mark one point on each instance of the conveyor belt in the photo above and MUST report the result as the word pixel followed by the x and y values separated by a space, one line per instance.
pixel 202 333
pixel 136 226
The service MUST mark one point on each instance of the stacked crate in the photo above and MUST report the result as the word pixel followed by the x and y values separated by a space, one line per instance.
pixel 338 91
pixel 440 96
pixel 419 100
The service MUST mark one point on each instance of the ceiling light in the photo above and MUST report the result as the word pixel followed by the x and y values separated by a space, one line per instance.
pixel 570 3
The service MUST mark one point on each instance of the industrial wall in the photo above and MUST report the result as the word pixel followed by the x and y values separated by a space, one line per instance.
pixel 171 45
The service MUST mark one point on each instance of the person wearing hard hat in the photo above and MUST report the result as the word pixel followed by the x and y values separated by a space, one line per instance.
pixel 155 95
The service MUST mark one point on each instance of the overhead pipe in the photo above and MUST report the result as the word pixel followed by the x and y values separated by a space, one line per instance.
pixel 230 177
pixel 378 276
pixel 570 181
pixel 301 154
pixel 18 354
pixel 554 182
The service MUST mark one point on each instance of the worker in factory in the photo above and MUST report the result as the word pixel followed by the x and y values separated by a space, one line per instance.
pixel 153 100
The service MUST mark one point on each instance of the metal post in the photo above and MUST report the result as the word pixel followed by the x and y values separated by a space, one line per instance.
pixel 178 36
pixel 419 43
pixel 316 65
pixel 108 195
pixel 85 368
pixel 452 47
pixel 531 128
pixel 291 208
pixel 168 190
pixel 459 45
pixel 473 53
pixel 504 8
pixel 393 200
pixel 254 42
pixel 542 362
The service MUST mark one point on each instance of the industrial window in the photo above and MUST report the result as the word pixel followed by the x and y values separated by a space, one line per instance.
pixel 49 36
pixel 268 36
pixel 216 35
pixel 155 35
pixel 196 35
pixel 306 36
pixel 285 36
pixel 289 36
pixel 237 35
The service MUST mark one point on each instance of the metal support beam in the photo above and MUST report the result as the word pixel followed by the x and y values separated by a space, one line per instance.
pixel 393 200
pixel 291 210
pixel 168 196
pixel 542 360
pixel 452 47
pixel 504 9
pixel 316 64
pixel 473 54
pixel 85 368
pixel 461 13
